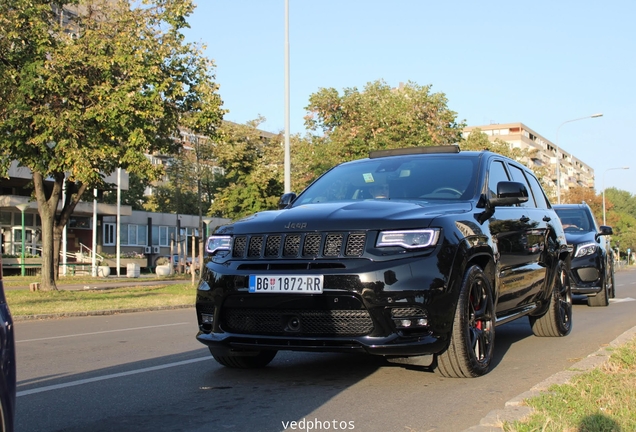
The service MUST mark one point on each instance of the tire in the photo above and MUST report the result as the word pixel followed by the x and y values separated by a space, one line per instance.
pixel 557 320
pixel 602 297
pixel 258 360
pixel 470 350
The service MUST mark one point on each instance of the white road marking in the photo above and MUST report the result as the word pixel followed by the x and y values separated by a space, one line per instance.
pixel 621 300
pixel 101 332
pixel 107 377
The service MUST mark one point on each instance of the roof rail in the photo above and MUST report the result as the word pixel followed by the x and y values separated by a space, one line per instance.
pixel 414 150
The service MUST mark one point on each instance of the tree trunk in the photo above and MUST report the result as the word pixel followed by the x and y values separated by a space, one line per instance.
pixel 51 226
pixel 46 209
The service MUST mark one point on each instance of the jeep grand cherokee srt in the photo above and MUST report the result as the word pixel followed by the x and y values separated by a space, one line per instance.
pixel 421 273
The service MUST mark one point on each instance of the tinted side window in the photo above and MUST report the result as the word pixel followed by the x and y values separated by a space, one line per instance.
pixel 517 175
pixel 537 191
pixel 497 173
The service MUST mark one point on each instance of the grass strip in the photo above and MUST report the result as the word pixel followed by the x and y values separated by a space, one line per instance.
pixel 603 399
pixel 26 303
pixel 19 281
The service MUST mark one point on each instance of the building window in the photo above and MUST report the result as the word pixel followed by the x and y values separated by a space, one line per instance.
pixel 160 236
pixel 132 235
pixel 110 229
pixel 164 239
pixel 123 234
pixel 142 235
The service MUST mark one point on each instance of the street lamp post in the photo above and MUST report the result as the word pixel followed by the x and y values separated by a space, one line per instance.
pixel 22 208
pixel 609 169
pixel 287 161
pixel 558 169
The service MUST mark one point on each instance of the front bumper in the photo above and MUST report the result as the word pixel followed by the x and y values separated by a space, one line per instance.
pixel 382 309
pixel 586 275
pixel 225 344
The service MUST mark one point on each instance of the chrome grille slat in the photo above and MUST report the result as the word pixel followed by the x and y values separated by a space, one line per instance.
pixel 355 244
pixel 311 246
pixel 292 245
pixel 297 245
pixel 272 246
pixel 254 250
pixel 333 243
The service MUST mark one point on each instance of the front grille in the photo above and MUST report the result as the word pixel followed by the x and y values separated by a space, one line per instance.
pixel 300 245
pixel 309 322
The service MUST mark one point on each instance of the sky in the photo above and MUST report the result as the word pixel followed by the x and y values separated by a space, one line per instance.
pixel 541 63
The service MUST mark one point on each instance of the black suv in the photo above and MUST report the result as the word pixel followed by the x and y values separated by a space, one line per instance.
pixel 592 266
pixel 413 254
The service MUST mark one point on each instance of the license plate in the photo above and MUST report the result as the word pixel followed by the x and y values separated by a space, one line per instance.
pixel 286 284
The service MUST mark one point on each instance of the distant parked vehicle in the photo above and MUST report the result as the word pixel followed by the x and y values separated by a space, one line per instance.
pixel 592 267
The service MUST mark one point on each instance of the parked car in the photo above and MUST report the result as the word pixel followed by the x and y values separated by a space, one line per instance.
pixel 421 274
pixel 592 266
pixel 7 363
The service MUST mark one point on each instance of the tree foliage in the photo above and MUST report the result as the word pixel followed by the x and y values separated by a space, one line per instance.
pixel 78 101
pixel 380 117
pixel 253 166
pixel 620 210
pixel 581 194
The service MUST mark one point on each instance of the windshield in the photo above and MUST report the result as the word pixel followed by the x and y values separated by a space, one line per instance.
pixel 576 220
pixel 397 178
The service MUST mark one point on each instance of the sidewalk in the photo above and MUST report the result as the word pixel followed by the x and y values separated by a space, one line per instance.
pixel 516 410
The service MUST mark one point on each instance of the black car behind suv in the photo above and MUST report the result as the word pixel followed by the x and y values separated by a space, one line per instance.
pixel 414 254
pixel 592 265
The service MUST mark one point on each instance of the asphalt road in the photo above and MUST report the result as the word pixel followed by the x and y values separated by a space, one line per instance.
pixel 146 372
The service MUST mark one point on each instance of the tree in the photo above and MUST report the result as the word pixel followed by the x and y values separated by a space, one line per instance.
pixel 133 196
pixel 582 194
pixel 253 166
pixel 380 117
pixel 623 201
pixel 79 101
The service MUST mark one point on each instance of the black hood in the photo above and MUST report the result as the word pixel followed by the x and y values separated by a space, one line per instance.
pixel 349 216
pixel 578 238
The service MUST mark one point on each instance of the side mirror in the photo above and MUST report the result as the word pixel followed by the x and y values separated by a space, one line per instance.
pixel 510 193
pixel 286 200
pixel 604 231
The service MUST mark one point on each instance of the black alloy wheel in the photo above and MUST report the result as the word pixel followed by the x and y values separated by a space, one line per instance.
pixel 472 340
pixel 557 320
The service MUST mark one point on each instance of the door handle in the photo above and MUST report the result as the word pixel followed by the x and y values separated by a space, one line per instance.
pixel 524 219
pixel 547 218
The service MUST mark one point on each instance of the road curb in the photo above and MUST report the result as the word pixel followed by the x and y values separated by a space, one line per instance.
pixel 97 313
pixel 515 410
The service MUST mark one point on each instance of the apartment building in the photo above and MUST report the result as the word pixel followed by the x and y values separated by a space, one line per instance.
pixel 573 171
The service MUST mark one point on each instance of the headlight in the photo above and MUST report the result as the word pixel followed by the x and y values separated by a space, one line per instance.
pixel 411 239
pixel 218 243
pixel 585 249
